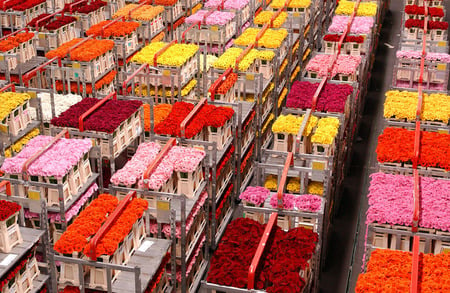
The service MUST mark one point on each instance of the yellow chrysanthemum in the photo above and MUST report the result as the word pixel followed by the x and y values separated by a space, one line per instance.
pixel 228 59
pixel 271 182
pixel 271 38
pixel 326 131
pixel 276 4
pixel 176 55
pixel 142 90
pixel 365 8
pixel 17 147
pixel 315 187
pixel 10 101
pixel 291 124
pixel 264 17
pixel 293 185
pixel 145 12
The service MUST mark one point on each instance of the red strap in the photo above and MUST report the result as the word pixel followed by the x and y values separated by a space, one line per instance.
pixel 212 90
pixel 124 84
pixel 11 85
pixel 191 115
pixel 8 187
pixel 152 167
pixel 40 68
pixel 415 266
pixel 260 250
pixel 289 162
pixel 93 108
pixel 14 33
pixel 243 54
pixel 160 52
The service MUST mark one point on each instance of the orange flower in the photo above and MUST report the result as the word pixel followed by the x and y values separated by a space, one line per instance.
pixel 91 49
pixel 159 37
pixel 117 29
pixel 62 50
pixel 14 41
pixel 106 80
pixel 160 113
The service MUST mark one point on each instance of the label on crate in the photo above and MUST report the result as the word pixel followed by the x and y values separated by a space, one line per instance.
pixel 145 245
pixel 76 65
pixel 442 44
pixel 214 28
pixel 443 130
pixel 8 259
pixel 163 211
pixel 4 128
pixel 2 57
pixel 296 14
pixel 34 194
pixel 166 72
pixel 41 36
pixel 442 66
pixel 318 166
pixel 250 77
pixel 32 94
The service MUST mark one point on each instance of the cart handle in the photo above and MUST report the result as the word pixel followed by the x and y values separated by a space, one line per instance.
pixel 124 84
pixel 288 163
pixel 212 90
pixel 152 167
pixel 7 187
pixel 34 157
pixel 93 108
pixel 109 222
pixel 40 68
pixel 260 250
pixel 11 85
pixel 161 51
pixel 191 115
pixel 243 54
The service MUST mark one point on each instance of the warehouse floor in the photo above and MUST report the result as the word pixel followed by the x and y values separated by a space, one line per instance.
pixel 346 241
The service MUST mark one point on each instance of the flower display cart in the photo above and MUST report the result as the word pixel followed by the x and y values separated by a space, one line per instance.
pixel 86 120
pixel 413 29
pixel 355 45
pixel 88 14
pixel 17 49
pixel 346 68
pixel 111 268
pixel 243 9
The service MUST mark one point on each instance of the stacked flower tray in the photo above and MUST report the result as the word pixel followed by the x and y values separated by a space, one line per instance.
pixel 89 14
pixel 347 67
pixel 244 9
pixel 20 271
pixel 116 253
pixel 15 15
pixel 16 49
pixel 151 19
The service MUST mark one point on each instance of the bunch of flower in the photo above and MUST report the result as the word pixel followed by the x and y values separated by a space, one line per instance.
pixel 58 22
pixel 56 161
pixel 160 112
pixel 277 4
pixel 22 5
pixel 247 157
pixel 332 98
pixel 10 101
pixel 360 24
pixel 145 12
pixel 391 201
pixel 315 187
pixel 264 17
pixel 228 59
pixel 7 209
pixel 216 18
pixel 347 39
pixel 224 200
pixel 403 105
pixel 430 56
pixel 134 168
pixel 105 119
pixel 61 102
pixel 18 266
pixel 432 25
pixel 85 8
pixel 12 42
pixel 117 29
pixel 166 92
pixel 271 182
pixel 291 124
pixel 227 83
pixel 228 4
pixel 345 64
pixel 288 254
pixel 391 270
pixel 270 39
pixel 86 225
pixel 17 147
pixel 326 131
pixel 224 161
pixel 121 227
pixel 302 202
pixel 397 145
pixel 420 10
pixel 255 194
pixel 208 115
pixel 106 80
pixel 85 52
pixel 176 55
pixel 364 9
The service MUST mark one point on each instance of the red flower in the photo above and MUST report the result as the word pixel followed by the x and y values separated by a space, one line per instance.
pixel 441 25
pixel 8 208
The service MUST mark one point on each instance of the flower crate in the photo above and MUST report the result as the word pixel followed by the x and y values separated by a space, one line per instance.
pixel 354 45
pixel 17 120
pixel 218 27
pixel 221 134
pixel 91 18
pixel 10 232
pixel 244 8
pixel 23 52
pixel 293 10
pixel 413 30
pixel 346 68
pixel 165 95
pixel 18 18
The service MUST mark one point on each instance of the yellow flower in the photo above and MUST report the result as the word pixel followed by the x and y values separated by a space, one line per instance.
pixel 276 4
pixel 293 185
pixel 271 38
pixel 264 17
pixel 145 12
pixel 10 101
pixel 176 55
pixel 210 59
pixel 403 105
pixel 266 55
pixel 142 90
pixel 326 131
pixel 282 96
pixel 315 187
pixel 365 8
pixel 271 182
pixel 291 124
pixel 271 117
pixel 17 147
pixel 228 59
